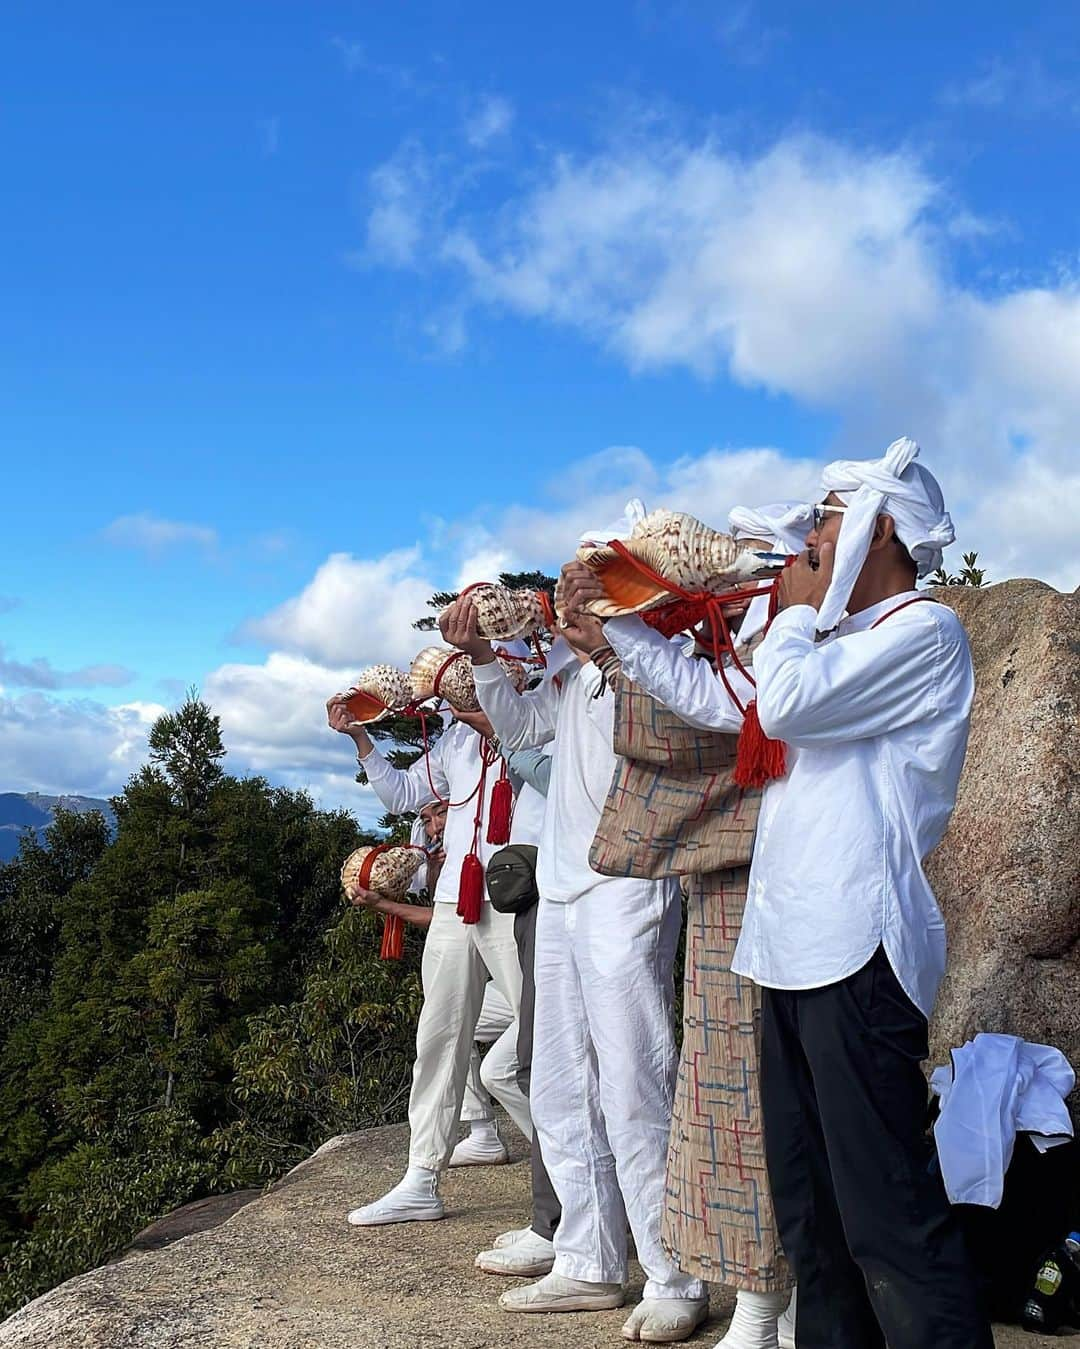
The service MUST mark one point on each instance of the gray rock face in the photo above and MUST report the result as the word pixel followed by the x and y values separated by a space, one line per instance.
pixel 1007 874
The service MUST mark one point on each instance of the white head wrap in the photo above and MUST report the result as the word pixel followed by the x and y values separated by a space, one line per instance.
pixel 784 524
pixel 620 529
pixel 892 485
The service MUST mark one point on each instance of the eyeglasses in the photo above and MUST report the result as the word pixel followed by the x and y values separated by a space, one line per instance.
pixel 820 513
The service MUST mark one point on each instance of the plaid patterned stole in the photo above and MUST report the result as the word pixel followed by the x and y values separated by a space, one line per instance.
pixel 672 808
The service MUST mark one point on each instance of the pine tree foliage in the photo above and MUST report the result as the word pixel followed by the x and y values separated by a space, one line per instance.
pixel 145 974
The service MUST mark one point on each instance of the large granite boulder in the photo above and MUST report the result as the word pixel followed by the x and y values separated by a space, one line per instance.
pixel 1007 873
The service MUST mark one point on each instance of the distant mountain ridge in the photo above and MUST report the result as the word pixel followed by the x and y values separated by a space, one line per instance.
pixel 31 810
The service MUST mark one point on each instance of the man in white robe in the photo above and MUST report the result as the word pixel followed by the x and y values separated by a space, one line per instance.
pixel 841 928
pixel 604 1058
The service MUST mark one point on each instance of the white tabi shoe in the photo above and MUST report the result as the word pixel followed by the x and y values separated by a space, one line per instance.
pixel 754 1325
pixel 473 1151
pixel 554 1293
pixel 509 1238
pixel 528 1256
pixel 402 1204
pixel 663 1320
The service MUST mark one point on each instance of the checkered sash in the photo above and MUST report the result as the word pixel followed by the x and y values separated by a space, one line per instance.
pixel 672 808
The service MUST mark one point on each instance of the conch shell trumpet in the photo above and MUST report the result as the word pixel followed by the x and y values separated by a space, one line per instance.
pixel 379 691
pixel 441 672
pixel 503 615
pixel 679 549
pixel 388 874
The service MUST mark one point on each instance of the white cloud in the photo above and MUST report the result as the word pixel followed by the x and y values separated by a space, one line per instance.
pixel 39 673
pixel 811 270
pixel 401 202
pixel 353 612
pixel 57 746
pixel 1023 86
pixel 273 722
pixel 153 535
pixel 488 121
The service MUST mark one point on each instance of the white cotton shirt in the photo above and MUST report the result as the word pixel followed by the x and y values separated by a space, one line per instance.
pixel 876 723
pixel 528 821
pixel 569 713
pixel 455 770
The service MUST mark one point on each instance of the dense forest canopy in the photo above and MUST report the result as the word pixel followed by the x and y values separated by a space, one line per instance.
pixel 186 1007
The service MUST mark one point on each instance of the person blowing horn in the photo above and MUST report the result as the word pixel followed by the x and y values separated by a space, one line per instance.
pixel 870 684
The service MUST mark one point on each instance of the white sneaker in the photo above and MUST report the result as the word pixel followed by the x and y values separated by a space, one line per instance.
pixel 400 1205
pixel 528 1256
pixel 554 1293
pixel 663 1320
pixel 510 1238
pixel 479 1152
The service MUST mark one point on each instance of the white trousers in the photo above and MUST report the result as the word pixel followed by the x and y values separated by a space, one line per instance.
pixel 496 1016
pixel 458 959
pixel 603 1076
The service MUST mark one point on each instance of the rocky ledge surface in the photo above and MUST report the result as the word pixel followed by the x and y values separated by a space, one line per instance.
pixel 287 1272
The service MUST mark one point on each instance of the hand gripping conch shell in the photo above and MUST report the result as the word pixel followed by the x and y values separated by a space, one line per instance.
pixel 386 871
pixel 504 615
pixel 379 691
pixel 676 547
pixel 441 672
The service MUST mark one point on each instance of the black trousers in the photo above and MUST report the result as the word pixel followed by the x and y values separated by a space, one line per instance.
pixel 877 1251
pixel 546 1208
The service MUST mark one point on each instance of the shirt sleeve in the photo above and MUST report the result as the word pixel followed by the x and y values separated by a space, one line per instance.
pixel 532 766
pixel 521 720
pixel 689 688
pixel 403 789
pixel 861 684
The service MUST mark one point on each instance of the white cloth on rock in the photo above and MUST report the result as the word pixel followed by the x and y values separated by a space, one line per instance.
pixel 996 1087
pixel 893 485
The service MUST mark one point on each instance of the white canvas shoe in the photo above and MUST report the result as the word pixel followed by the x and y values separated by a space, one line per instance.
pixel 527 1257
pixel 402 1204
pixel 472 1151
pixel 554 1293
pixel 509 1238
pixel 663 1320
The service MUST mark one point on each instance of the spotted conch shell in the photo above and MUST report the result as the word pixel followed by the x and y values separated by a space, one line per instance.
pixel 677 547
pixel 390 874
pixel 440 671
pixel 502 614
pixel 379 691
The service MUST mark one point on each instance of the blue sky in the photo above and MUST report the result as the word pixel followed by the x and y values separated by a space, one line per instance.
pixel 308 309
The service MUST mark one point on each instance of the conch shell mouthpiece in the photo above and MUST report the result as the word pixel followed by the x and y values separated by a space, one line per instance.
pixel 379 691
pixel 504 615
pixel 442 672
pixel 679 548
pixel 390 872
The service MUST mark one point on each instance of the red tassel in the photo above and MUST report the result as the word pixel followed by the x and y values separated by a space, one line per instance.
pixel 393 938
pixel 470 903
pixel 500 811
pixel 759 759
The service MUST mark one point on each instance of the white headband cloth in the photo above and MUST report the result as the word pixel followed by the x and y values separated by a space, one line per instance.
pixel 784 525
pixel 893 485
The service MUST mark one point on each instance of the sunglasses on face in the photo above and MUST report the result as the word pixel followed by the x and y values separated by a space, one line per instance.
pixel 820 513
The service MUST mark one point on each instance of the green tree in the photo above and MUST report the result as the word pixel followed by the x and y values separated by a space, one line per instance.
pixel 968 575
